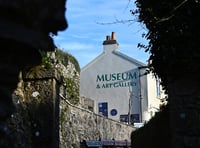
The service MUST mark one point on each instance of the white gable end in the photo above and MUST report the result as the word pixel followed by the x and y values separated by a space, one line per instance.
pixel 117 85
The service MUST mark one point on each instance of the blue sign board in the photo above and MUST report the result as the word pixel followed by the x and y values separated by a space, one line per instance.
pixel 113 112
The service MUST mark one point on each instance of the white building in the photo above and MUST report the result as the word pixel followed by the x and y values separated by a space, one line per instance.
pixel 119 86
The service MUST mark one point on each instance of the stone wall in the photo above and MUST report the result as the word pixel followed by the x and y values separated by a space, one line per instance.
pixel 77 124
pixel 48 114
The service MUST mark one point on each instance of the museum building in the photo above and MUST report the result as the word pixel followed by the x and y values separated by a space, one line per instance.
pixel 119 85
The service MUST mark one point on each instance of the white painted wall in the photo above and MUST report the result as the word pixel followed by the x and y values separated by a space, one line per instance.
pixel 142 96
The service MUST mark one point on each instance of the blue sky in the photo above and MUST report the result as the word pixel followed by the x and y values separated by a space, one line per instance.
pixel 85 34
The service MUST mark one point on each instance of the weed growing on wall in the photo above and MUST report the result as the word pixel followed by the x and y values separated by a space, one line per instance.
pixel 72 90
pixel 46 60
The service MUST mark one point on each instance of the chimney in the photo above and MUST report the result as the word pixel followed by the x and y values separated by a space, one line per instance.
pixel 113 36
pixel 107 38
pixel 110 44
pixel 110 40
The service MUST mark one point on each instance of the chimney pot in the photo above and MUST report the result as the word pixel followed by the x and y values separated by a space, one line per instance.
pixel 113 36
pixel 107 38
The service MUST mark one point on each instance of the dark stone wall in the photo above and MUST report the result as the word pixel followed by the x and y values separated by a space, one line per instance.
pixel 35 122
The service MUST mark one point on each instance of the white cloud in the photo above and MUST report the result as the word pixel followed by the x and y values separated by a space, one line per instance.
pixel 84 37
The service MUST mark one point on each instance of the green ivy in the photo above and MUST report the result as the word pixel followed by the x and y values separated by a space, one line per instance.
pixel 72 90
pixel 66 57
pixel 46 61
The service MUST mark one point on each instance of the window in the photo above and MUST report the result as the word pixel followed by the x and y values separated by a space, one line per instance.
pixel 103 108
pixel 157 87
